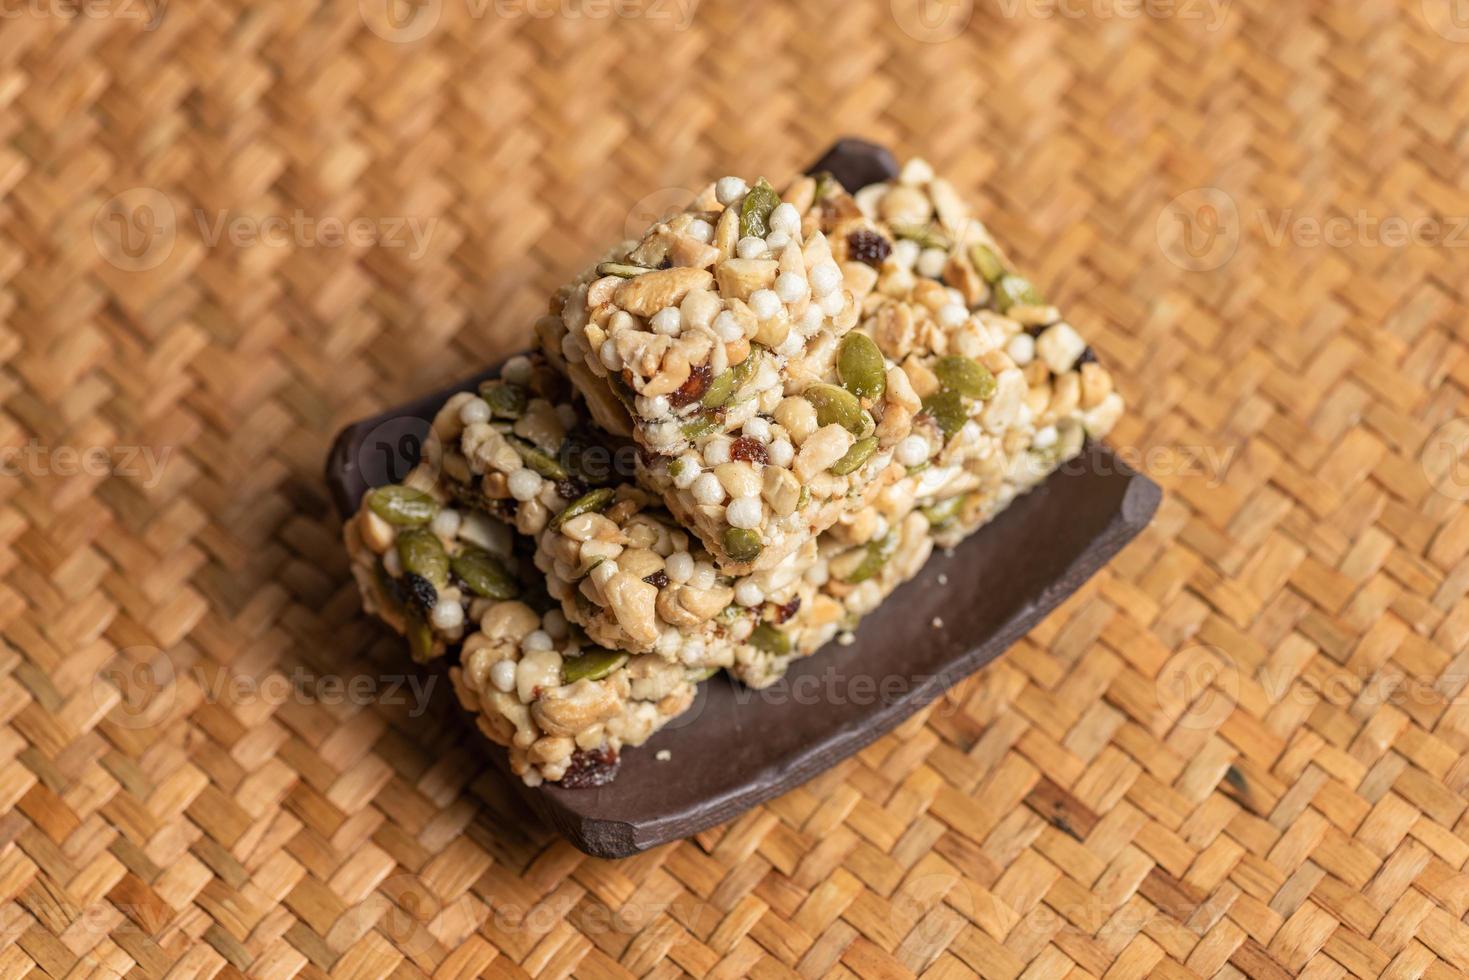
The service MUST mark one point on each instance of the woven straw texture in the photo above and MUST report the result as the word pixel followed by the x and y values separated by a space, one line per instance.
pixel 1238 751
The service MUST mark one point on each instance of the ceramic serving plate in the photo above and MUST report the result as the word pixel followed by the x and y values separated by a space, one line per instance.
pixel 736 748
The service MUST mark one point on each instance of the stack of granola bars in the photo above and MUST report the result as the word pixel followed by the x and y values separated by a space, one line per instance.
pixel 735 438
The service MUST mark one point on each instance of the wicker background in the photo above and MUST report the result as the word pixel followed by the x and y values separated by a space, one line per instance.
pixel 1238 752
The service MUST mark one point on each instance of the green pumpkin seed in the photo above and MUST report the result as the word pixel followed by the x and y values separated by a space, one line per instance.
pixel 861 367
pixel 803 498
pixel 506 400
pixel 747 369
pixel 539 460
pixel 988 263
pixel 835 406
pixel 700 425
pixel 420 639
pixel 877 555
pixel 742 544
pixel 968 377
pixel 402 506
pixel 622 269
pixel 755 212
pixel 927 236
pixel 422 553
pixel 702 674
pixel 856 457
pixel 1015 291
pixel 591 666
pixel 947 409
pixel 483 574
pixel 589 502
pixel 719 390
pixel 768 639
pixel 943 513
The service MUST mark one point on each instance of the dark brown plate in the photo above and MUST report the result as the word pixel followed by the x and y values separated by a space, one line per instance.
pixel 736 748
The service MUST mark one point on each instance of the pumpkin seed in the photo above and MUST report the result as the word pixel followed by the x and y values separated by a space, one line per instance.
pixel 942 513
pixel 719 390
pixel 760 201
pixel 835 406
pixel 826 185
pixel 506 400
pixel 768 639
pixel 927 236
pixel 422 553
pixel 622 269
pixel 539 460
pixel 742 544
pixel 947 409
pixel 856 457
pixel 803 498
pixel 861 367
pixel 968 377
pixel 702 674
pixel 700 425
pixel 402 506
pixel 988 263
pixel 1015 291
pixel 483 574
pixel 591 666
pixel 592 501
pixel 878 553
pixel 420 639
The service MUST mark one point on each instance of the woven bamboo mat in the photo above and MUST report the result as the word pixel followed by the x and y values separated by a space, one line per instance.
pixel 1239 751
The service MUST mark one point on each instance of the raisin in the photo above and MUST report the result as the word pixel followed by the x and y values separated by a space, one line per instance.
pixel 869 247
pixel 570 488
pixel 591 768
pixel 1088 356
pixel 659 579
pixel 693 389
pixel 785 612
pixel 749 450
pixel 421 592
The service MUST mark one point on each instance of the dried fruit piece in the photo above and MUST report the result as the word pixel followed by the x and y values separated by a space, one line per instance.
pixel 419 593
pixel 742 544
pixel 590 768
pixel 861 367
pixel 591 666
pixel 968 377
pixel 856 457
pixel 596 500
pixel 693 389
pixel 865 245
pixel 483 574
pixel 755 213
pixel 402 506
pixel 749 450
